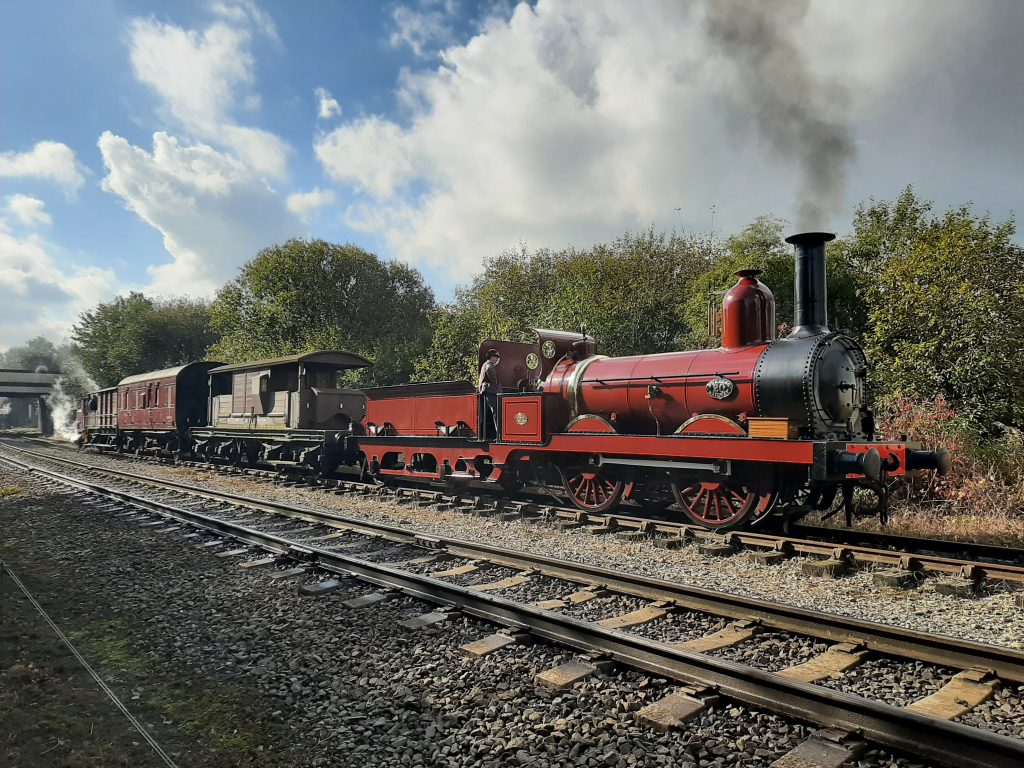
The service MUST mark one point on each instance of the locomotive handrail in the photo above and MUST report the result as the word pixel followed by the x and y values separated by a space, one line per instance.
pixel 659 379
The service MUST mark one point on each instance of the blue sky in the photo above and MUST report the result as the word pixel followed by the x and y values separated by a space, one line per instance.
pixel 154 146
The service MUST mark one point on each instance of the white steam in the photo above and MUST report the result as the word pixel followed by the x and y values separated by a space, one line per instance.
pixel 63 405
pixel 62 411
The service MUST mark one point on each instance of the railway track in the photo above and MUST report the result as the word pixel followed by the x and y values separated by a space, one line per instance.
pixel 300 540
pixel 898 561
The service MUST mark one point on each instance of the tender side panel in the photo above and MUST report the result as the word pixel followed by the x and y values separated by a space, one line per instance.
pixel 424 416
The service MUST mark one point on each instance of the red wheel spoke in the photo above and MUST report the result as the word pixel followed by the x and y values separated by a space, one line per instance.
pixel 592 490
pixel 727 500
pixel 720 505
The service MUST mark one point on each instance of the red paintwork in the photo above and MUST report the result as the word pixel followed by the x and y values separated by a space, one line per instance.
pixel 526 408
pixel 424 416
pixel 590 424
pixel 885 450
pixel 748 312
pixel 616 388
pixel 147 405
pixel 711 425
pixel 796 452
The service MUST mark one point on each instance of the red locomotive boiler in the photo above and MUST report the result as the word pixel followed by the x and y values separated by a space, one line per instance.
pixel 729 434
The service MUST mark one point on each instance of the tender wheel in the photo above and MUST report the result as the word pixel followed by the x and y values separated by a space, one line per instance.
pixel 592 489
pixel 721 506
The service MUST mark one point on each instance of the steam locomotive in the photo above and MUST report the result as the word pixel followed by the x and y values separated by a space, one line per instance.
pixel 730 435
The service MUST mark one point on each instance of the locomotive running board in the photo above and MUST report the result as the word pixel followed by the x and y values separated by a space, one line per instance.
pixel 722 467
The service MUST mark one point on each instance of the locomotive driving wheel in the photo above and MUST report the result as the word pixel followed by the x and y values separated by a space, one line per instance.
pixel 592 489
pixel 722 505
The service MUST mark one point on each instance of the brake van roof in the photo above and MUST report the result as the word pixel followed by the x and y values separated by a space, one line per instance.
pixel 325 357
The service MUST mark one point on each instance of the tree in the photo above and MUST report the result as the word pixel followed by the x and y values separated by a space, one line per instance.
pixel 134 333
pixel 628 293
pixel 310 294
pixel 946 306
pixel 760 245
pixel 35 354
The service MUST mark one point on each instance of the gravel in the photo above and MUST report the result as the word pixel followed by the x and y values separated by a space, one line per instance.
pixel 679 625
pixel 350 687
pixel 989 618
pixel 1003 713
pixel 892 681
pixel 483 575
pixel 605 607
pixel 540 588
pixel 772 651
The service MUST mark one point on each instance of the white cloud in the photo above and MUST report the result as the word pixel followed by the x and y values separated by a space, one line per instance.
pixel 28 210
pixel 47 160
pixel 206 192
pixel 568 122
pixel 202 76
pixel 213 210
pixel 303 204
pixel 42 290
pixel 424 30
pixel 372 153
pixel 243 12
pixel 327 105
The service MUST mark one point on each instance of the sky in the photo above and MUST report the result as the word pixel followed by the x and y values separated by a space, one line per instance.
pixel 158 146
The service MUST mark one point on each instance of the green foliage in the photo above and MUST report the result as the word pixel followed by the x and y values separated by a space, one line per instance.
pixel 628 293
pixel 307 295
pixel 760 245
pixel 456 333
pixel 134 333
pixel 946 307
pixel 757 246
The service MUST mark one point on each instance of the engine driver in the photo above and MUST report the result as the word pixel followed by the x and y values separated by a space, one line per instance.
pixel 490 388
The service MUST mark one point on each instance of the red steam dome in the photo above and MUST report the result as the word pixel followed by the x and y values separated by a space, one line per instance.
pixel 748 312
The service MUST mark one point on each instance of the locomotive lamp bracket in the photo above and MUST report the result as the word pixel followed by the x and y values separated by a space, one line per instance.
pixel 721 467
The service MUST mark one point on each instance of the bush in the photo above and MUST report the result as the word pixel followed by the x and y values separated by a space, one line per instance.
pixel 987 477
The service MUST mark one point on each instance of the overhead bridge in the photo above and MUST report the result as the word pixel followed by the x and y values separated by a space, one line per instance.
pixel 28 391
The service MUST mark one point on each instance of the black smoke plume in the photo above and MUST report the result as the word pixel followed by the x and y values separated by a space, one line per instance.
pixel 796 113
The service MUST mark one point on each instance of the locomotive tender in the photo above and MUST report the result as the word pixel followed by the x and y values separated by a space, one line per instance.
pixel 728 434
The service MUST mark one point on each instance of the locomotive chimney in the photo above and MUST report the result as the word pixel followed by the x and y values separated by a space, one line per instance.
pixel 810 296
